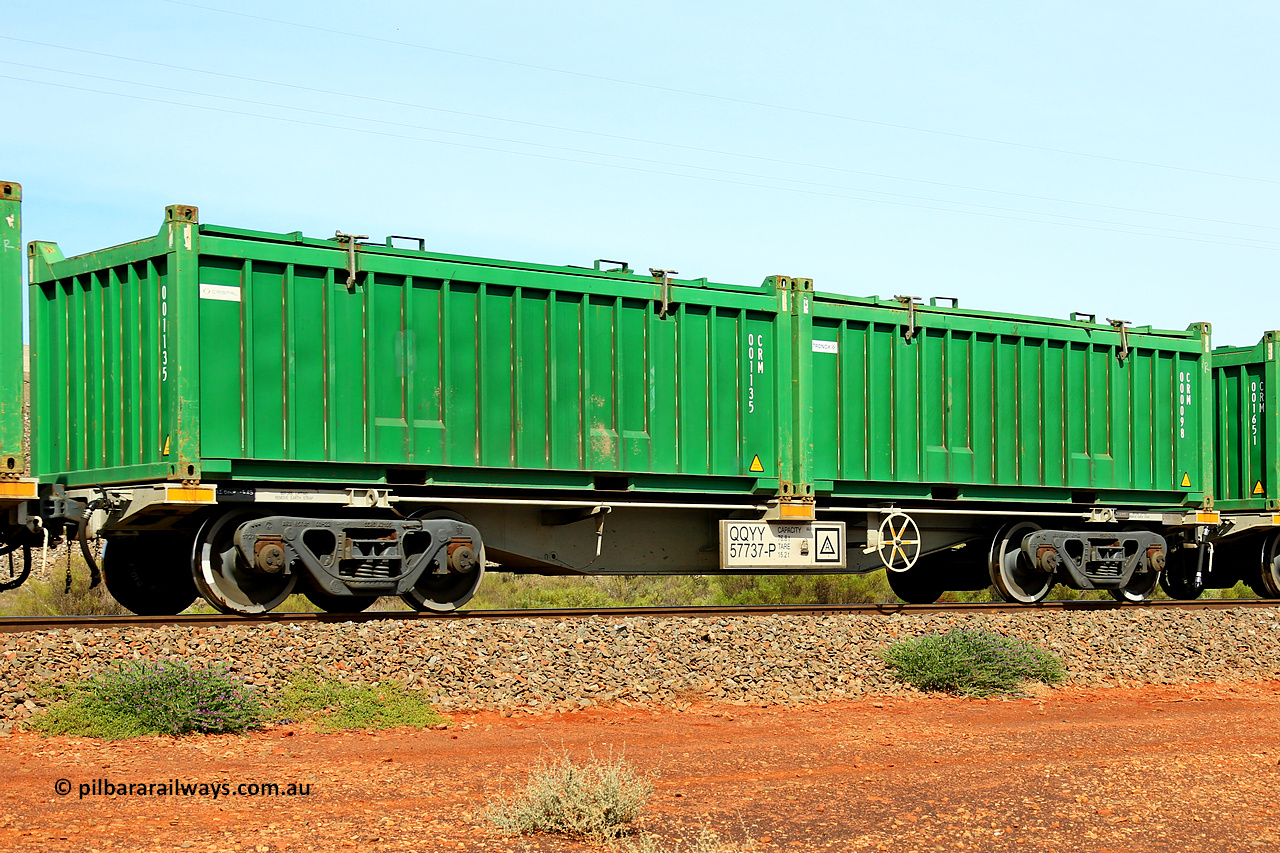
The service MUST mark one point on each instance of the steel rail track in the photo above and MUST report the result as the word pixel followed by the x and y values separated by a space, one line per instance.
pixel 16 624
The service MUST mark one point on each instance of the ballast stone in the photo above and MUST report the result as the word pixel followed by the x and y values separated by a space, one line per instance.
pixel 541 665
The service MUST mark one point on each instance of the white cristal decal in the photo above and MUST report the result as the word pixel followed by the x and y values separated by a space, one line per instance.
pixel 221 292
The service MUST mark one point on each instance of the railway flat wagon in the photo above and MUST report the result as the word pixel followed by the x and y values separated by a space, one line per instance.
pixel 249 411
pixel 244 414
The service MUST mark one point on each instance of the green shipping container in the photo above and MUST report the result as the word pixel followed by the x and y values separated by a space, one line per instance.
pixel 219 354
pixel 940 403
pixel 216 353
pixel 12 457
pixel 1245 380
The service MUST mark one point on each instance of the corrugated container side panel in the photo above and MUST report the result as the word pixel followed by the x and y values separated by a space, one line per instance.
pixel 494 399
pixel 1005 416
pixel 1237 459
pixel 346 410
pixel 1245 454
pixel 959 393
pixel 1100 406
pixel 111 335
pixel 129 389
pixel 1056 406
pixel 309 391
pixel 1182 386
pixel 601 427
pixel 13 459
pixel 385 366
pixel 461 378
pixel 1029 453
pixel 763 413
pixel 1139 431
pixel 460 371
pixel 533 396
pixel 985 391
pixel 959 406
pixel 266 360
pixel 150 404
pixel 221 409
pixel 74 377
pixel 568 450
pixel 725 433
pixel 665 416
pixel 632 372
pixel 100 368
pixel 693 380
pixel 878 361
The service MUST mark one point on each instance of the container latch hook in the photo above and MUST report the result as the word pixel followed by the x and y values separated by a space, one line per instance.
pixel 350 240
pixel 909 302
pixel 1119 326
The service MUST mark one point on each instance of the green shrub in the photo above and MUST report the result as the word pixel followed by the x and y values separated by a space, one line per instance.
pixel 168 697
pixel 332 706
pixel 597 799
pixel 804 589
pixel 971 662
pixel 502 591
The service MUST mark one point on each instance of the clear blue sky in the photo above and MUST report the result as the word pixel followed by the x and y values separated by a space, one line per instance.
pixel 1046 157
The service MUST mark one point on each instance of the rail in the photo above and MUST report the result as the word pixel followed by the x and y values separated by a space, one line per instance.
pixel 17 624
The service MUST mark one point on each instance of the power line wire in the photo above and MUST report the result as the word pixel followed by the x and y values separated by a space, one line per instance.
pixel 645 160
pixel 724 98
pixel 1151 231
pixel 600 134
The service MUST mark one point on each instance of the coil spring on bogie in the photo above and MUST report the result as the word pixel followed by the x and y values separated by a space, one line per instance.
pixel 370 571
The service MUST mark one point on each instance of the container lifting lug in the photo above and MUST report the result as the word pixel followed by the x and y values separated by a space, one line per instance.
pixel 665 276
pixel 350 240
pixel 909 302
pixel 1119 326
pixel 421 241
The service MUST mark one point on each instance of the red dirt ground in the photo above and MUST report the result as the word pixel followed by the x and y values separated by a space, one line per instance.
pixel 1146 769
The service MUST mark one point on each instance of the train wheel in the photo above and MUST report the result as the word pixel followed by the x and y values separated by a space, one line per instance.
pixel 921 584
pixel 1140 588
pixel 330 603
pixel 223 576
pixel 1014 577
pixel 442 593
pixel 1268 585
pixel 1178 578
pixel 149 575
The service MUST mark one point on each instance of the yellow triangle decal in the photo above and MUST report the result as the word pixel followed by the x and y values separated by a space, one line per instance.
pixel 756 467
pixel 1257 489
pixel 1186 481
